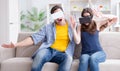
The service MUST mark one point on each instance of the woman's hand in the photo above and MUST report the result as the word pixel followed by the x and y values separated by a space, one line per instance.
pixel 11 45
pixel 112 21
pixel 97 13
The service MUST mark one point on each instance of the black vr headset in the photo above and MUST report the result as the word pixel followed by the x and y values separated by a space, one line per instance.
pixel 84 20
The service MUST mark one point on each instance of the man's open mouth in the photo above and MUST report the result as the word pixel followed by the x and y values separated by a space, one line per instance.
pixel 59 19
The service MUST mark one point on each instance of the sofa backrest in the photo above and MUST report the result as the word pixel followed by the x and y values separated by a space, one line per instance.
pixel 25 51
pixel 110 41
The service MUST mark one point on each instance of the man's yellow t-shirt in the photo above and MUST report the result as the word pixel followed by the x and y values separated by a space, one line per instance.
pixel 62 38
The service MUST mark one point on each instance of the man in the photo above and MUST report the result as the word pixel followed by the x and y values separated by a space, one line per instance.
pixel 57 39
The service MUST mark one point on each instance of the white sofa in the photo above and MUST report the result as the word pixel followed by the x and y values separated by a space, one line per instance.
pixel 19 59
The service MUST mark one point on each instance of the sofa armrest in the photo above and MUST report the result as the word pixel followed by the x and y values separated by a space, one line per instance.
pixel 6 53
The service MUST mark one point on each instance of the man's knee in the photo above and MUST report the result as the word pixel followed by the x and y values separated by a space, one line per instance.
pixel 68 58
pixel 42 56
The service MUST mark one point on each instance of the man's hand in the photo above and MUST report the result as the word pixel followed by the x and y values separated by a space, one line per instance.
pixel 73 23
pixel 11 45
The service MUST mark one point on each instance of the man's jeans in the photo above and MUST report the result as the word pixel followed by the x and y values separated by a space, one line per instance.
pixel 51 55
pixel 91 61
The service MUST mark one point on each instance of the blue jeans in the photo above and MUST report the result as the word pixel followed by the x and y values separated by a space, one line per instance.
pixel 51 55
pixel 91 61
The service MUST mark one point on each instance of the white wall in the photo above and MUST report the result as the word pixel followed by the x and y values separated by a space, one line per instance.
pixel 113 6
pixel 24 4
pixel 40 4
pixel 114 11
pixel 4 23
pixel 13 20
pixel 9 21
pixel 13 17
pixel 9 14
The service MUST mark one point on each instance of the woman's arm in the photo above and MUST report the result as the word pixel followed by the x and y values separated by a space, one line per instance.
pixel 108 21
pixel 104 20
pixel 111 19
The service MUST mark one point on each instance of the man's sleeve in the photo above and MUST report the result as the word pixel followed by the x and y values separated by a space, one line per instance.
pixel 39 36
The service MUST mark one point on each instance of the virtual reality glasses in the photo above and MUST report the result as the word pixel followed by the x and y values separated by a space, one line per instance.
pixel 57 15
pixel 84 20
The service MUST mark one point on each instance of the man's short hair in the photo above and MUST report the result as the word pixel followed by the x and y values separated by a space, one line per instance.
pixel 55 8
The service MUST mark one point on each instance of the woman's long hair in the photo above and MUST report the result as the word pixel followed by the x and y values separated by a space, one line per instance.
pixel 91 28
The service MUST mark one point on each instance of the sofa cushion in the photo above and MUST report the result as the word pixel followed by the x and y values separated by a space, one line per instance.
pixel 26 51
pixel 24 64
pixel 77 51
pixel 54 67
pixel 17 64
pixel 49 66
pixel 110 65
pixel 110 42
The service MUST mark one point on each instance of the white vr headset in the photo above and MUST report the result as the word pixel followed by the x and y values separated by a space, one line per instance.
pixel 57 15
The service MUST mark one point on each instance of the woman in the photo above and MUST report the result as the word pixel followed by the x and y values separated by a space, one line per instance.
pixel 92 53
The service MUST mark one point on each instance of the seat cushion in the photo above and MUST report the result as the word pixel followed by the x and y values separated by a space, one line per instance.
pixel 17 64
pixel 110 65
pixel 49 66
pixel 25 64
pixel 53 66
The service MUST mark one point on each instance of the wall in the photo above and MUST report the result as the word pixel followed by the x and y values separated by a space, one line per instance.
pixel 4 24
pixel 13 20
pixel 27 4
pixel 9 26
pixel 40 4
pixel 113 6
pixel 114 11
pixel 43 4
